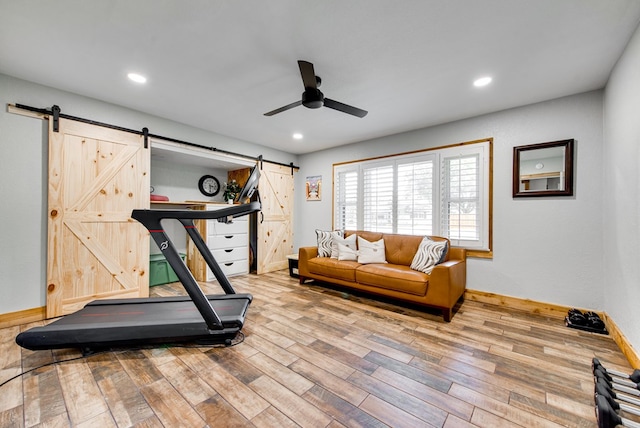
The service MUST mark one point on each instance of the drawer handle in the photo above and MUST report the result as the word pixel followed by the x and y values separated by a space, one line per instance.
pixel 228 236
pixel 228 264
pixel 228 251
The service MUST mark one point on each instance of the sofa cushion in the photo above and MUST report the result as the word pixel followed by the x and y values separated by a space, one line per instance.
pixel 333 268
pixel 369 236
pixel 400 249
pixel 429 254
pixel 393 277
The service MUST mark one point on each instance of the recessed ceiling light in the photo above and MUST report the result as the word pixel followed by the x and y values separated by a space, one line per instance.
pixel 483 81
pixel 138 78
pixel 297 136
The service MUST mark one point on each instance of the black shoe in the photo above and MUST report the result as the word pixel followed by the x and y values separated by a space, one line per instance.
pixel 594 321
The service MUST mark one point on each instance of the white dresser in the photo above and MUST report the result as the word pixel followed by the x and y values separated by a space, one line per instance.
pixel 228 242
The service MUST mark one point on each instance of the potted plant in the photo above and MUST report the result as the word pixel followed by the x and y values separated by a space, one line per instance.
pixel 231 191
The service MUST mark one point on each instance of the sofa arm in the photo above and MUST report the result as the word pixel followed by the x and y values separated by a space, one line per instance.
pixel 304 254
pixel 457 253
pixel 447 283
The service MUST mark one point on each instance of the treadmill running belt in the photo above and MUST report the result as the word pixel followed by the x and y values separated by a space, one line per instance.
pixel 125 322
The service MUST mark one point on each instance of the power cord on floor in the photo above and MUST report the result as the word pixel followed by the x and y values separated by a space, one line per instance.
pixel 45 365
pixel 238 339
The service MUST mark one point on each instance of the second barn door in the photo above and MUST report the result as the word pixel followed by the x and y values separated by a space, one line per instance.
pixel 275 221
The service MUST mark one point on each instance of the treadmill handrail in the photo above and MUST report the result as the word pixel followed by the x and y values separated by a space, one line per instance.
pixel 154 215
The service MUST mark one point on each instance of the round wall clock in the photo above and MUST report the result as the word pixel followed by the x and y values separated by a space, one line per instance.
pixel 209 185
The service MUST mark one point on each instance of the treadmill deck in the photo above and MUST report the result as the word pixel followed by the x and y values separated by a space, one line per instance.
pixel 124 322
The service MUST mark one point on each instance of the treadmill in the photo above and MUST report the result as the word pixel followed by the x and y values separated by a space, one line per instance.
pixel 196 318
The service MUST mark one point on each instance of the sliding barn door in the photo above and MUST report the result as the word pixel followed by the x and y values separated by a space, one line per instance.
pixel 275 222
pixel 97 176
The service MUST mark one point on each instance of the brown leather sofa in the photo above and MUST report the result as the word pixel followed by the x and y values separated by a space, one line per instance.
pixel 441 289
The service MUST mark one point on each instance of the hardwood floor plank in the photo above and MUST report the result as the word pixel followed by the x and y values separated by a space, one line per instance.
pixel 338 386
pixel 234 391
pixel 410 372
pixel 320 360
pixel 343 411
pixel 392 415
pixel 10 366
pixel 269 348
pixel 455 422
pixel 561 416
pixel 425 393
pixel 280 373
pixel 169 406
pixel 344 357
pixel 271 417
pixel 569 404
pixel 272 335
pixel 82 397
pixel 186 382
pixel 12 418
pixel 141 370
pixel 292 333
pixel 498 408
pixel 483 418
pixel 380 348
pixel 126 403
pixel 241 369
pixel 217 412
pixel 296 408
pixel 472 378
pixel 102 420
pixel 403 402
pixel 42 396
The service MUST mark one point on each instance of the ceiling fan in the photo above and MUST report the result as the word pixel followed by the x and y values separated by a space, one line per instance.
pixel 313 98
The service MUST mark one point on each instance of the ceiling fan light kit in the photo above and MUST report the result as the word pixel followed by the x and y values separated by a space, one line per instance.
pixel 313 98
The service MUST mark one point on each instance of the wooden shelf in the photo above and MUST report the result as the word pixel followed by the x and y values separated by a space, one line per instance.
pixel 539 176
pixel 182 204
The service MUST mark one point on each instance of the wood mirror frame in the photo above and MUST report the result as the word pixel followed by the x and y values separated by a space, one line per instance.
pixel 544 169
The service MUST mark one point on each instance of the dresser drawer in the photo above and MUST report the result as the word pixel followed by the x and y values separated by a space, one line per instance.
pixel 227 241
pixel 231 254
pixel 237 267
pixel 214 227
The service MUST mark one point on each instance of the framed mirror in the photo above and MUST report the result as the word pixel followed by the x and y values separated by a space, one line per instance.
pixel 544 169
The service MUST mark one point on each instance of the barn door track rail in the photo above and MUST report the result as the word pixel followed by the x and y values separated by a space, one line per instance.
pixel 55 113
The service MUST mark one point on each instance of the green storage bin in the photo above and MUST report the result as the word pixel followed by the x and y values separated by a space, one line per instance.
pixel 159 270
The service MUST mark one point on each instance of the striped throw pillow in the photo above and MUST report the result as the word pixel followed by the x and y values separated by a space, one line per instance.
pixel 429 254
pixel 324 241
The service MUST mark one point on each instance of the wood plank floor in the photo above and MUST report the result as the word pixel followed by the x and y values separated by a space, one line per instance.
pixel 318 357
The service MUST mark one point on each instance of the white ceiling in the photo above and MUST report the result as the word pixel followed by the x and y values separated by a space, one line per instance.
pixel 219 65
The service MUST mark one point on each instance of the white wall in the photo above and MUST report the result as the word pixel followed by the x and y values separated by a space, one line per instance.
pixel 545 249
pixel 621 282
pixel 23 177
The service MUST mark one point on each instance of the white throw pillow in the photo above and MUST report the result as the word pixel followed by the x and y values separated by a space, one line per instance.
pixel 347 253
pixel 336 239
pixel 428 255
pixel 324 241
pixel 370 252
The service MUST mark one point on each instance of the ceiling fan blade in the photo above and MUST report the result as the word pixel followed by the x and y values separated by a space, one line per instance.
pixel 308 74
pixel 285 108
pixel 336 105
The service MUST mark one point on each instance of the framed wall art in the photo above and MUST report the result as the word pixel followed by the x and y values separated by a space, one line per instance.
pixel 314 188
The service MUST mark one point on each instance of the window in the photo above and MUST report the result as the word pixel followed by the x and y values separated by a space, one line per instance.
pixel 442 191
